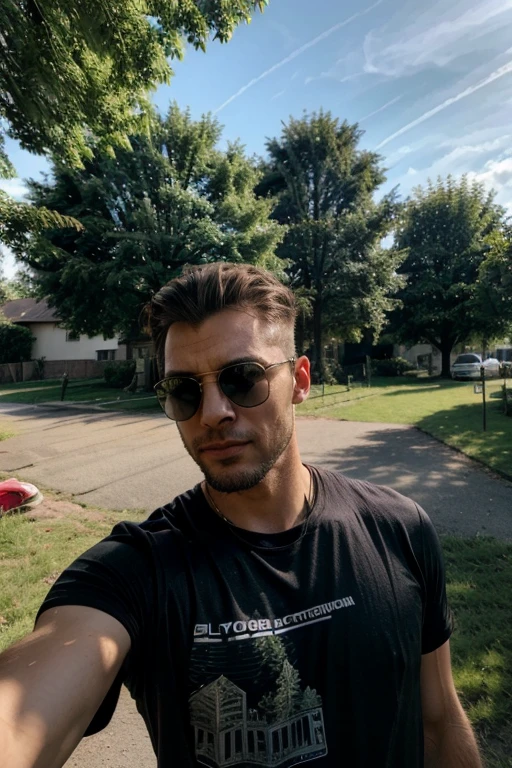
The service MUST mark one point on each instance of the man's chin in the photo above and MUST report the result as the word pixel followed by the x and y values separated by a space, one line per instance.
pixel 233 480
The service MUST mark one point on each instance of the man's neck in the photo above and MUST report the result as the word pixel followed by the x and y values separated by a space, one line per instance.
pixel 274 505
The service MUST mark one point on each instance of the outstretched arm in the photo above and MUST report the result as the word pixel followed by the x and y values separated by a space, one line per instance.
pixel 449 738
pixel 53 681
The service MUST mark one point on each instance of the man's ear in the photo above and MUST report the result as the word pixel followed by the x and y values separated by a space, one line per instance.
pixel 302 379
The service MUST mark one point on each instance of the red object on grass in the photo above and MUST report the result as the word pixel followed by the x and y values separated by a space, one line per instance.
pixel 15 495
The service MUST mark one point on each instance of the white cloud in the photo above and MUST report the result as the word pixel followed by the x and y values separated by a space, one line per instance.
pixel 412 172
pixel 341 71
pixel 14 187
pixel 381 109
pixel 298 52
pixel 483 140
pixel 398 155
pixel 496 174
pixel 435 38
pixel 277 95
pixel 498 73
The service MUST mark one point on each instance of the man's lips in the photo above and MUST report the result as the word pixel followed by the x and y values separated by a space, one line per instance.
pixel 224 449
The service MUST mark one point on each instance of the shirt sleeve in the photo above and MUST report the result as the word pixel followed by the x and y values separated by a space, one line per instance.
pixel 437 616
pixel 115 576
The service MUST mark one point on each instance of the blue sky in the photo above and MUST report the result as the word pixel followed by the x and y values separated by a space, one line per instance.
pixel 430 83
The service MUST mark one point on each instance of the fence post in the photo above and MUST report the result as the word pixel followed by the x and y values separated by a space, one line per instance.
pixel 368 371
pixel 482 374
pixel 65 379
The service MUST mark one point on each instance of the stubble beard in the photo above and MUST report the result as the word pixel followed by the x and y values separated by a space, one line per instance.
pixel 244 479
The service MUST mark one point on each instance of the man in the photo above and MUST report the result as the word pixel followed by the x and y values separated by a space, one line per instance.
pixel 274 615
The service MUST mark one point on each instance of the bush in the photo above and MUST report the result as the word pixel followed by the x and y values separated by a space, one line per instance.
pixel 396 366
pixel 15 343
pixel 120 374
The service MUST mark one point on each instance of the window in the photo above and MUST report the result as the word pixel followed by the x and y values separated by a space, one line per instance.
pixel 72 336
pixel 105 354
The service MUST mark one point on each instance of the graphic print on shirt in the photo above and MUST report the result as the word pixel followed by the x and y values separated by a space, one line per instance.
pixel 248 707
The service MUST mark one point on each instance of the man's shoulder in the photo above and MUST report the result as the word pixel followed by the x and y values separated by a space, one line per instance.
pixel 364 497
pixel 172 520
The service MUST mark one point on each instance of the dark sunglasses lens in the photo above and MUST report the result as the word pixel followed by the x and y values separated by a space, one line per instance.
pixel 179 397
pixel 245 384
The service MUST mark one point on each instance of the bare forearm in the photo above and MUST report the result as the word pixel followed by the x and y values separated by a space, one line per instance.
pixel 452 746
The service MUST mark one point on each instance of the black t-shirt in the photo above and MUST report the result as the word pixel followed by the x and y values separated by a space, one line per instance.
pixel 273 650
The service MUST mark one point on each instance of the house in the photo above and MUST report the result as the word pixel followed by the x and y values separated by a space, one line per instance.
pixel 55 343
pixel 426 355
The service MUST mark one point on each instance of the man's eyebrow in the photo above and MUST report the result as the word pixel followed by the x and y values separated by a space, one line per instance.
pixel 236 361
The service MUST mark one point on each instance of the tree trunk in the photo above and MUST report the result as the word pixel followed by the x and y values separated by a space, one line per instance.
pixel 317 335
pixel 446 350
pixel 300 333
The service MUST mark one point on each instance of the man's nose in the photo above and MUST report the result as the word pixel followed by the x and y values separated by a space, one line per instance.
pixel 215 406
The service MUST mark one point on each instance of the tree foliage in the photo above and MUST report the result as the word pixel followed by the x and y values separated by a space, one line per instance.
pixel 15 342
pixel 447 229
pixel 493 294
pixel 18 287
pixel 174 200
pixel 72 69
pixel 325 188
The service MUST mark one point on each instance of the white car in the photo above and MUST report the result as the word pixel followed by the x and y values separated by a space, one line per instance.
pixel 467 366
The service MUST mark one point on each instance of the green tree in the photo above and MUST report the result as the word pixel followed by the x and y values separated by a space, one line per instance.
pixel 71 69
pixel 288 696
pixel 173 200
pixel 17 287
pixel 15 342
pixel 493 295
pixel 325 188
pixel 310 699
pixel 446 230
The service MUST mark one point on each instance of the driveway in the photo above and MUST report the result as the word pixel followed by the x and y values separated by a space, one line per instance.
pixel 138 462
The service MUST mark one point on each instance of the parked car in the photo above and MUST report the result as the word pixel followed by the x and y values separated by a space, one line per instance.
pixel 467 366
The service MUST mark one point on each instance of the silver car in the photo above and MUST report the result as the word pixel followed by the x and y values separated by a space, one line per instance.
pixel 467 366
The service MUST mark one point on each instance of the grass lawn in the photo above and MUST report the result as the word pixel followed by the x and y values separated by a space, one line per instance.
pixel 78 390
pixel 448 410
pixel 33 553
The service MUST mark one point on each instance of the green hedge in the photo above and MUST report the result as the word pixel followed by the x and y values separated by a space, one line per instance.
pixel 15 343
pixel 120 374
pixel 395 366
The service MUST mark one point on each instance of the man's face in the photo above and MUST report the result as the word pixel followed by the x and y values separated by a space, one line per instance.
pixel 235 447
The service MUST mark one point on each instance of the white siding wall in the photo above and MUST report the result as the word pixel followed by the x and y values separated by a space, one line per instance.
pixel 51 343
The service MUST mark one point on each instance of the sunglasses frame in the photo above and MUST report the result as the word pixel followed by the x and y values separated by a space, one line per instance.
pixel 217 373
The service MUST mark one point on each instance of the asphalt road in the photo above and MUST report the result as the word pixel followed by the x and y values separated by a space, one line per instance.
pixel 138 462
pixel 121 461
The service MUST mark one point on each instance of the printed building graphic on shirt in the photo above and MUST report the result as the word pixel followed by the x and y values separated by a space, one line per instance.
pixel 285 729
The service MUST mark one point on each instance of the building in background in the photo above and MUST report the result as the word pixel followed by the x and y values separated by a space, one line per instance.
pixel 52 341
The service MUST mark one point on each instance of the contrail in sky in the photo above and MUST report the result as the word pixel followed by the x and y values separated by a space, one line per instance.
pixel 380 109
pixel 504 70
pixel 294 54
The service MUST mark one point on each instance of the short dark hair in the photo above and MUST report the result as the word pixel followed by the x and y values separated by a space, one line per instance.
pixel 202 291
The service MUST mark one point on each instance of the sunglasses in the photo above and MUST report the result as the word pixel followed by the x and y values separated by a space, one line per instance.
pixel 245 384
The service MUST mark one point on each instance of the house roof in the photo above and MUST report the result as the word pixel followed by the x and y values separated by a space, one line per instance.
pixel 29 311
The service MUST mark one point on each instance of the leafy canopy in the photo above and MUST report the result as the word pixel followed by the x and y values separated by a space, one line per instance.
pixel 173 200
pixel 69 70
pixel 447 230
pixel 325 187
pixel 15 342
